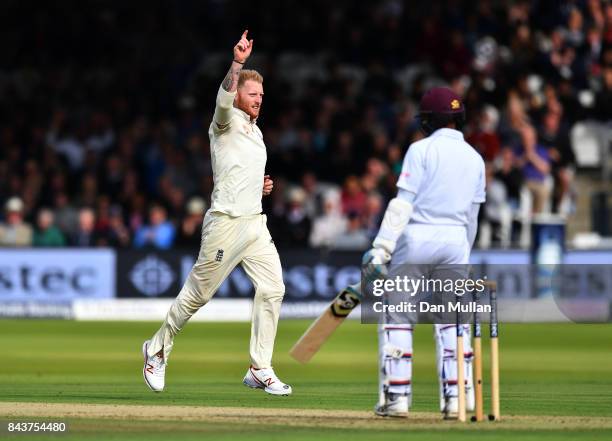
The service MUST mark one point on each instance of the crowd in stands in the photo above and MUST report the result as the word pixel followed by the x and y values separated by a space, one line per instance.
pixel 104 111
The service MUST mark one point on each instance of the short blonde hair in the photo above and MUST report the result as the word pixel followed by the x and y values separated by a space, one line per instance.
pixel 249 74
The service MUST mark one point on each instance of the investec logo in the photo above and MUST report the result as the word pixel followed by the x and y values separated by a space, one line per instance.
pixel 152 276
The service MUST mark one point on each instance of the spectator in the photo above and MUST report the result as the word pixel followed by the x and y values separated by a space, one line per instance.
pixel 556 140
pixel 313 194
pixel 603 100
pixel 355 237
pixel 484 138
pixel 47 234
pixel 511 176
pixel 175 201
pixel 85 235
pixel 331 224
pixel 191 227
pixel 137 209
pixel 118 235
pixel 377 169
pixel 297 221
pixel 591 52
pixel 64 142
pixel 522 45
pixel 514 120
pixel 497 208
pixel 159 233
pixel 353 197
pixel 15 232
pixel 373 215
pixel 536 170
pixel 102 225
pixel 395 159
pixel 114 175
pixel 574 33
pixel 89 191
pixel 342 161
pixel 66 216
pixel 560 55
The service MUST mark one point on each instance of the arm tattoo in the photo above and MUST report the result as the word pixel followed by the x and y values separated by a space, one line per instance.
pixel 230 82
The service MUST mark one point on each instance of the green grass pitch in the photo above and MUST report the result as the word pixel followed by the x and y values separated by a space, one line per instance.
pixel 556 383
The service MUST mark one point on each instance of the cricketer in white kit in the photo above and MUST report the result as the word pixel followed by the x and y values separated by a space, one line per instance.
pixel 430 225
pixel 233 232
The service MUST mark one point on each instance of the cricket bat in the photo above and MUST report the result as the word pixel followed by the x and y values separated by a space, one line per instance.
pixel 324 326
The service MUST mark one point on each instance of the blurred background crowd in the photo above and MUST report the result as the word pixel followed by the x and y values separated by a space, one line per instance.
pixel 105 108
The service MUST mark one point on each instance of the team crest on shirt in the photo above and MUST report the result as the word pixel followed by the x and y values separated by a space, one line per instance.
pixel 455 104
pixel 219 256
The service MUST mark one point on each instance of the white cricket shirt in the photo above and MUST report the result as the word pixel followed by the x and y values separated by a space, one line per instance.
pixel 238 156
pixel 447 175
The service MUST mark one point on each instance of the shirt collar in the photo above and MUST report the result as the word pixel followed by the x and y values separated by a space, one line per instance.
pixel 451 133
pixel 245 115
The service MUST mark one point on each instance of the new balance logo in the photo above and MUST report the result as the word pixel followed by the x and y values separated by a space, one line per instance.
pixel 149 368
pixel 219 256
pixel 269 381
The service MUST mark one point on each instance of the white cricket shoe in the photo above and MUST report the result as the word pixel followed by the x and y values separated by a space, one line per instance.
pixel 267 380
pixel 395 406
pixel 154 370
pixel 451 408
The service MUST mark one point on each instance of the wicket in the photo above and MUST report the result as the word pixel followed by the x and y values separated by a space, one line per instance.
pixel 478 378
pixel 460 373
pixel 479 409
pixel 494 332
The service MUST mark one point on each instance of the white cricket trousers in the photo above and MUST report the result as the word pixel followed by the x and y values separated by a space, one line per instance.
pixel 226 242
pixel 424 251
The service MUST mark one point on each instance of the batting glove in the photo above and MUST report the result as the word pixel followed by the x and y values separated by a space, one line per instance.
pixel 374 263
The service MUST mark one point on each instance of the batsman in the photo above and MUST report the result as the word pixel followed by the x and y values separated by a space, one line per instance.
pixel 430 225
pixel 233 232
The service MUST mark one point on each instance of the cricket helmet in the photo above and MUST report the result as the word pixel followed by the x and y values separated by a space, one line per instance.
pixel 439 107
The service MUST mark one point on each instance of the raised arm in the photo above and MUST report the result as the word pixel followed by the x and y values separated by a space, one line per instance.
pixel 227 91
pixel 242 51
